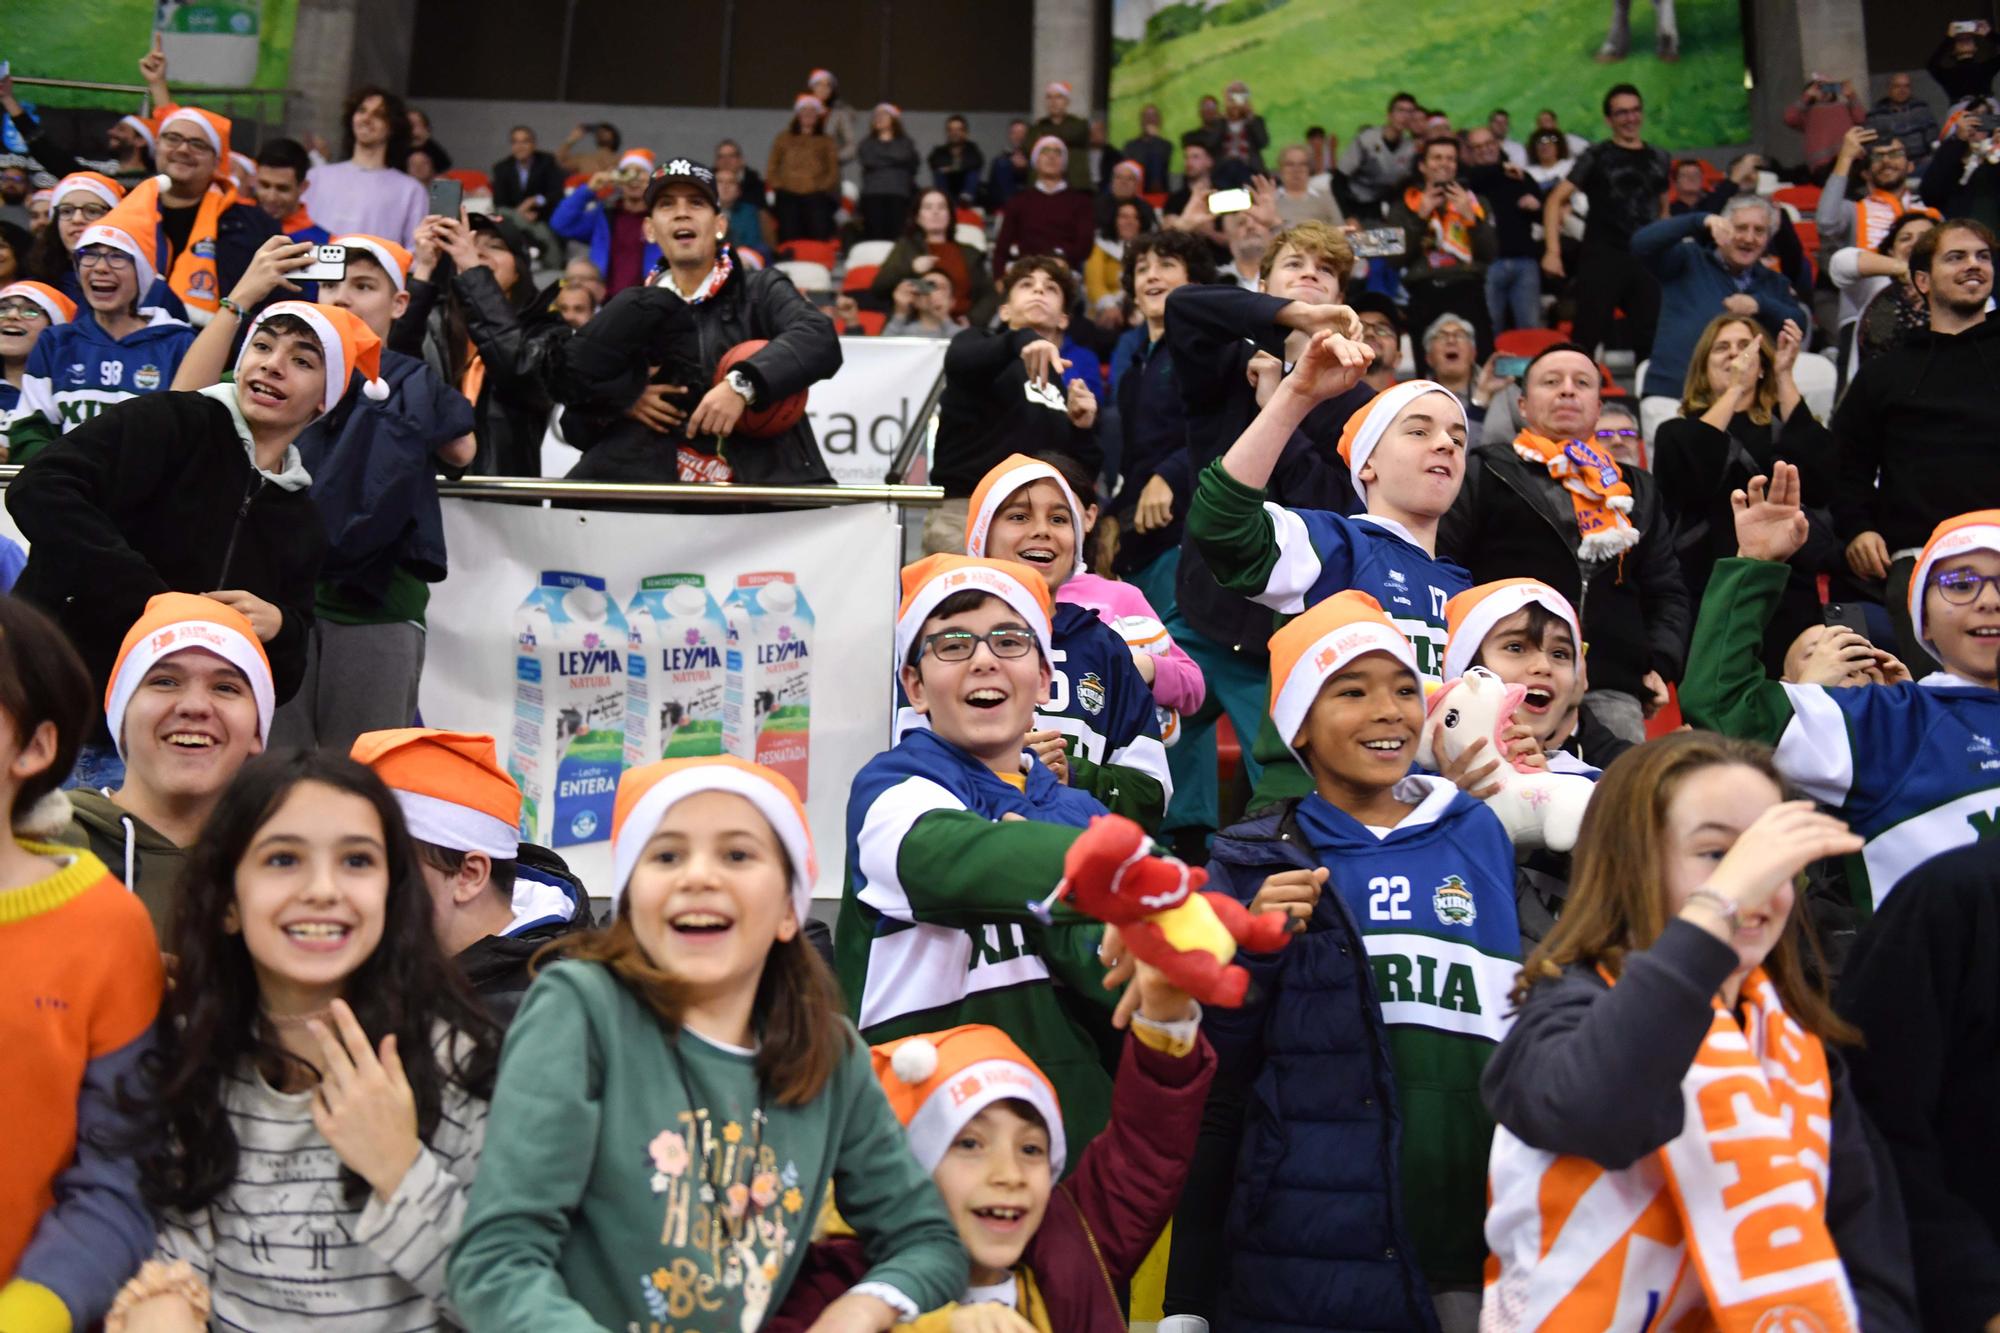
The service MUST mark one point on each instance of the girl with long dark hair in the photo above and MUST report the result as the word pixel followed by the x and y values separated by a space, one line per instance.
pixel 321 1073
pixel 1672 1073
pixel 679 1091
pixel 928 243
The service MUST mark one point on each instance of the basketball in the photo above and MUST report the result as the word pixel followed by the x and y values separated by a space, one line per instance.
pixel 761 423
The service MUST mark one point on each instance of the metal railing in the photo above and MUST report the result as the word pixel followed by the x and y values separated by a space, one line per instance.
pixel 664 493
pixel 220 98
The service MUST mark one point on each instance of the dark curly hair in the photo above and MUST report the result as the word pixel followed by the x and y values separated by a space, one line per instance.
pixel 394 107
pixel 208 1025
pixel 1194 252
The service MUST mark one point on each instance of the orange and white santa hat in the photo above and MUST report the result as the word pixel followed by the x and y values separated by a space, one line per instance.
pixel 393 258
pixel 144 129
pixel 997 487
pixel 211 127
pixel 175 622
pixel 938 1082
pixel 804 100
pixel 645 794
pixel 348 345
pixel 1311 649
pixel 928 582
pixel 131 227
pixel 642 158
pixel 59 308
pixel 1057 86
pixel 93 183
pixel 1471 616
pixel 1975 531
pixel 453 792
pixel 1365 429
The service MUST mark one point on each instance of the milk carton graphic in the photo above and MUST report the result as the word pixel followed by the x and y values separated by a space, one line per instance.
pixel 569 709
pixel 674 671
pixel 767 701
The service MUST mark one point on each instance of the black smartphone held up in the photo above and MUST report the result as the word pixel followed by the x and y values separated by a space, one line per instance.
pixel 329 265
pixel 1510 367
pixel 1847 615
pixel 446 197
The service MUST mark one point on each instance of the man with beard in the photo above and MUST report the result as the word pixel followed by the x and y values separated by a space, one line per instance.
pixel 1921 416
pixel 1886 180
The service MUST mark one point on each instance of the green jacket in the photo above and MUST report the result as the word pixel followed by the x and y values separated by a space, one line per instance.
pixel 610 1150
pixel 133 850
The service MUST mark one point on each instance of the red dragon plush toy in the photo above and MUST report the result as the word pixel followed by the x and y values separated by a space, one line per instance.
pixel 1111 875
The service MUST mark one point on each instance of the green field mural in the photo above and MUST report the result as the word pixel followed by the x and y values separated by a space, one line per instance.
pixel 100 41
pixel 1336 63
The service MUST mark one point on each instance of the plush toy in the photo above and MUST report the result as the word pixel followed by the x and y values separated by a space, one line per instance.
pixel 1538 808
pixel 1190 936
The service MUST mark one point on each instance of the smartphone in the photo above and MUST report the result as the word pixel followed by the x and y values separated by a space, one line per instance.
pixel 329 265
pixel 1228 201
pixel 6 68
pixel 1961 28
pixel 1380 242
pixel 1847 615
pixel 1830 90
pixel 1510 367
pixel 446 196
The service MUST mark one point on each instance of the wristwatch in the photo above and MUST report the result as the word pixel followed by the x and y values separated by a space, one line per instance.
pixel 740 382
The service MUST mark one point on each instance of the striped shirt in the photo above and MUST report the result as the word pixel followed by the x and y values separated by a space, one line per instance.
pixel 281 1248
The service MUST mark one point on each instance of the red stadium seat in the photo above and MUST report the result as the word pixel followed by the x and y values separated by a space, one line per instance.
pixel 812 252
pixel 1526 342
pixel 1805 198
pixel 578 179
pixel 1228 751
pixel 475 182
pixel 860 279
pixel 872 321
pixel 973 216
pixel 1158 200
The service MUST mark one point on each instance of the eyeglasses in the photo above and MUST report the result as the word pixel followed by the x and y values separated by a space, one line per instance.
pixel 958 645
pixel 172 140
pixel 21 310
pixel 85 212
pixel 1627 434
pixel 104 256
pixel 1961 587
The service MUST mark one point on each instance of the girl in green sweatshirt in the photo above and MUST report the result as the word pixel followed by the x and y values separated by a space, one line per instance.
pixel 676 1095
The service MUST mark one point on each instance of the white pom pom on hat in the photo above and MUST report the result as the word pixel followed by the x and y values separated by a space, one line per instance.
pixel 914 1061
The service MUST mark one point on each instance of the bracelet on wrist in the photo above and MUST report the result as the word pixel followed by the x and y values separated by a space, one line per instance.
pixel 229 304
pixel 1720 905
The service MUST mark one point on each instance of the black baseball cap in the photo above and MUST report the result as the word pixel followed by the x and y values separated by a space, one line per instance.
pixel 1376 303
pixel 682 171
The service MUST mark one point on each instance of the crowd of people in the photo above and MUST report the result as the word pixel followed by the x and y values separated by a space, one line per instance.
pixel 1473 992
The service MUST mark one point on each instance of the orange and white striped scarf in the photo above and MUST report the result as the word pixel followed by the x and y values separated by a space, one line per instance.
pixel 1450 230
pixel 1877 211
pixel 1598 492
pixel 1723 1230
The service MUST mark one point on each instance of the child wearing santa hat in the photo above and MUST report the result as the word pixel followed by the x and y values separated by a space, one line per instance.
pixel 188 704
pixel 1098 731
pixel 678 1093
pixel 953 832
pixel 375 485
pixel 109 350
pixel 1911 767
pixel 197 492
pixel 1402 884
pixel 27 311
pixel 495 900
pixel 987 1124
pixel 1405 451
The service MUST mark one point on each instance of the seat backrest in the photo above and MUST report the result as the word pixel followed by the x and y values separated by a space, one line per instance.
pixel 872 321
pixel 475 182
pixel 870 253
pixel 1526 342
pixel 859 278
pixel 806 275
pixel 965 233
pixel 824 253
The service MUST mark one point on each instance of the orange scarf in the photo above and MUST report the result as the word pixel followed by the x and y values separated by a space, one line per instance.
pixel 1723 1229
pixel 193 277
pixel 1596 489
pixel 1451 230
pixel 1878 210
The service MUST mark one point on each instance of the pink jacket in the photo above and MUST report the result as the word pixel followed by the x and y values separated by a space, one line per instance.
pixel 1177 682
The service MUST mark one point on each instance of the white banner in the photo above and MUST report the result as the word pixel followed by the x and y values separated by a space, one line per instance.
pixel 861 414
pixel 584 640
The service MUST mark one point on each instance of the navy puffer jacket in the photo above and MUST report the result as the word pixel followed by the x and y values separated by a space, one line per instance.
pixel 1314 1237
